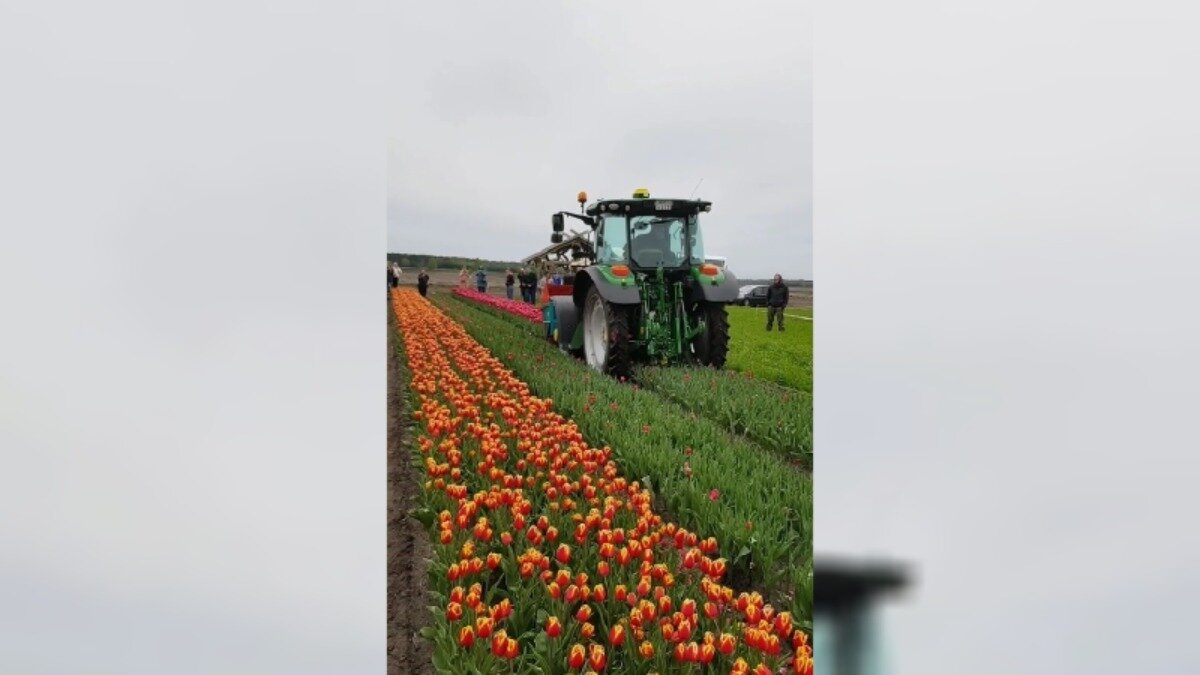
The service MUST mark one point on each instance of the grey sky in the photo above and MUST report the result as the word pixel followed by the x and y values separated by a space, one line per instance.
pixel 502 112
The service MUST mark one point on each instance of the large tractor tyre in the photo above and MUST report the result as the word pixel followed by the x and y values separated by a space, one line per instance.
pixel 710 347
pixel 606 335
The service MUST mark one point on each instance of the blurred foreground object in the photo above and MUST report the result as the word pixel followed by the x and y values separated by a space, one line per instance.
pixel 846 596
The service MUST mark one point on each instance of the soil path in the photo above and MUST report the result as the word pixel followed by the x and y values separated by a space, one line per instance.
pixel 408 543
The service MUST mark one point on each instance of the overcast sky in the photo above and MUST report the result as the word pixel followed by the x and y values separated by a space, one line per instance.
pixel 502 112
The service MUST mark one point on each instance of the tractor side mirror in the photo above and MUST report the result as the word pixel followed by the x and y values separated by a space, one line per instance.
pixel 556 238
pixel 556 221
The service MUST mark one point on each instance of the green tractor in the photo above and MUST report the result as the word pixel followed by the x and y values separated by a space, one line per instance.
pixel 641 290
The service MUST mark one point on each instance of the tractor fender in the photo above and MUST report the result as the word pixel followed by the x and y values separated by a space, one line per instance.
pixel 566 318
pixel 726 290
pixel 618 295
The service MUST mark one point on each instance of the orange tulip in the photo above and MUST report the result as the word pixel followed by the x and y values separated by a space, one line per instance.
pixel 616 635
pixel 499 638
pixel 576 657
pixel 727 643
pixel 597 658
pixel 688 607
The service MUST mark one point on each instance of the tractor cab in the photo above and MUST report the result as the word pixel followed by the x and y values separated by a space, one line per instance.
pixel 646 234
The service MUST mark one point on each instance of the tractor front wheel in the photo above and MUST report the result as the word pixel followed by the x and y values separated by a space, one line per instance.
pixel 710 347
pixel 606 335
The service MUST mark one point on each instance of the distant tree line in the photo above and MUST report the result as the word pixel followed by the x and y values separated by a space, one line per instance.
pixel 441 262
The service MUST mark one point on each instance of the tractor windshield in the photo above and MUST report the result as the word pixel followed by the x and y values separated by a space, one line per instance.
pixel 664 240
pixel 613 240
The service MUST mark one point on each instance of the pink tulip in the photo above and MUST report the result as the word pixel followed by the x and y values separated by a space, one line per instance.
pixel 504 304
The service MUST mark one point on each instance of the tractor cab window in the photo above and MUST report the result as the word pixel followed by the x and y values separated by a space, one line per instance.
pixel 613 240
pixel 697 241
pixel 658 240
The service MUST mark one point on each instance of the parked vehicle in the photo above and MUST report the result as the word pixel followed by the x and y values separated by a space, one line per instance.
pixel 755 297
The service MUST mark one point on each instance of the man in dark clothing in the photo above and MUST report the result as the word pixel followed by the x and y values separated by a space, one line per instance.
pixel 481 280
pixel 391 278
pixel 423 283
pixel 777 300
pixel 508 283
pixel 526 285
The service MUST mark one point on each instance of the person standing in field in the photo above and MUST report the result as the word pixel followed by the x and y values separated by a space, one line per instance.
pixel 391 278
pixel 481 280
pixel 531 285
pixel 462 278
pixel 777 300
pixel 508 283
pixel 423 283
pixel 523 282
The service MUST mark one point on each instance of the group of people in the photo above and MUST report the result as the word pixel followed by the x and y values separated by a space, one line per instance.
pixel 527 281
pixel 423 279
pixel 481 282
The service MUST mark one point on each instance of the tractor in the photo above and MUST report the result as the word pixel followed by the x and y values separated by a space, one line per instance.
pixel 640 290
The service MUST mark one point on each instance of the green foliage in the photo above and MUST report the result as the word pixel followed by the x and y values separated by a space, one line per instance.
pixel 785 358
pixel 773 416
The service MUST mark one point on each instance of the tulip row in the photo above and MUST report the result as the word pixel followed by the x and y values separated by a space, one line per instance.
pixel 759 504
pixel 546 558
pixel 776 417
pixel 520 309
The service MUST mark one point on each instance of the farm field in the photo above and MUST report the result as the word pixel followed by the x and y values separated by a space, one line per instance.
pixel 578 522
pixel 775 416
pixel 784 358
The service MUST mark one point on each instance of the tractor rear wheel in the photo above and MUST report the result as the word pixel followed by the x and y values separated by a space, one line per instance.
pixel 606 335
pixel 710 347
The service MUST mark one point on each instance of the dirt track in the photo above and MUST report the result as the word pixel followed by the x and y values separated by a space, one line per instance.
pixel 408 543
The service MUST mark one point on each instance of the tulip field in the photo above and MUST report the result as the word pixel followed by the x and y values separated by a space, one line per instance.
pixel 581 524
